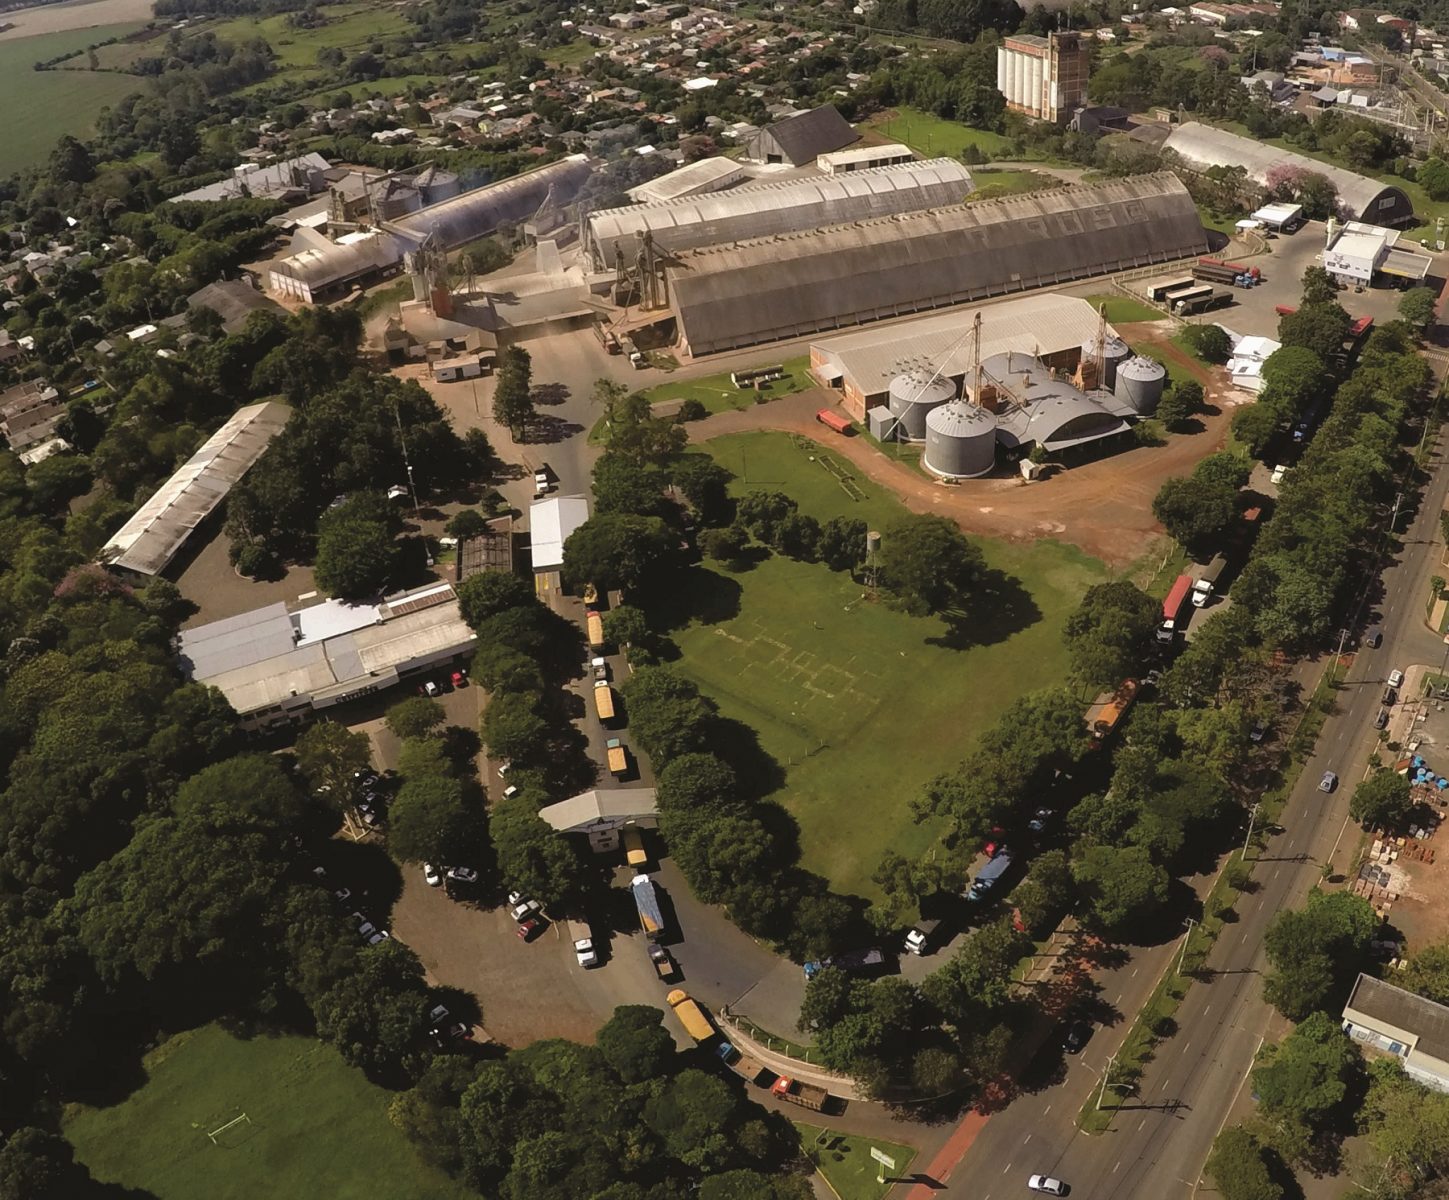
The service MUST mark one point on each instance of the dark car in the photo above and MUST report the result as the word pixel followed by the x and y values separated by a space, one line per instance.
pixel 1076 1036
pixel 1381 719
pixel 1374 638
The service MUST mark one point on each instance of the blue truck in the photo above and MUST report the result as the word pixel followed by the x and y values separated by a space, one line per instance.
pixel 646 900
pixel 989 875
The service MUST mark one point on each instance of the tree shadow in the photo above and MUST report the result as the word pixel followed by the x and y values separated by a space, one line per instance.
pixel 1000 608
pixel 755 769
pixel 550 394
pixel 693 594
pixel 549 430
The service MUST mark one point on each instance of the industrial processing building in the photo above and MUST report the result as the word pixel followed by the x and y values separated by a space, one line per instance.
pixel 1360 198
pixel 799 139
pixel 145 545
pixel 1043 370
pixel 279 664
pixel 767 209
pixel 793 285
pixel 1043 77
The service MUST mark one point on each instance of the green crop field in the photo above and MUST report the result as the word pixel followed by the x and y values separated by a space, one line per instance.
pixel 42 106
pixel 350 28
pixel 315 1127
pixel 935 137
pixel 860 704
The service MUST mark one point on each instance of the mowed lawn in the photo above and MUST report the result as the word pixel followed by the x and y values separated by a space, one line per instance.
pixel 935 137
pixel 718 394
pixel 42 106
pixel 317 1127
pixel 860 704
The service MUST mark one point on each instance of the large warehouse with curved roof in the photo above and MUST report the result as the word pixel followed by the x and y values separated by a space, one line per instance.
pixel 797 284
pixel 767 209
pixel 1363 199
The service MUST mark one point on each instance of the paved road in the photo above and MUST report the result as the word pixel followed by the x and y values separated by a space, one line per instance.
pixel 1157 1145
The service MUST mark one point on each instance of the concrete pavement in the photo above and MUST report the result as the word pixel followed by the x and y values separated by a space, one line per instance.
pixel 1161 1138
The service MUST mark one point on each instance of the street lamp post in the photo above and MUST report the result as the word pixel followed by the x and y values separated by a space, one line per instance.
pixel 1252 816
pixel 1106 1076
pixel 1186 938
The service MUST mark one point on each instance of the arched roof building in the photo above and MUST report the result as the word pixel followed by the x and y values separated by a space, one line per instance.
pixel 478 213
pixel 793 285
pixel 1362 199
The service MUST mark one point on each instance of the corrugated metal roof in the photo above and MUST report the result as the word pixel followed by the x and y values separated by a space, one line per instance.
pixel 764 210
pixel 159 528
pixel 319 266
pixel 1205 146
pixel 1400 1009
pixel 280 177
pixel 1045 323
pixel 600 807
pixel 479 212
pixel 798 284
pixel 802 137
pixel 688 180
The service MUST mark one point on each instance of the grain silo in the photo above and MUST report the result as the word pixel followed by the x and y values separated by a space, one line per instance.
pixel 1114 352
pixel 1139 384
pixel 911 397
pixel 960 440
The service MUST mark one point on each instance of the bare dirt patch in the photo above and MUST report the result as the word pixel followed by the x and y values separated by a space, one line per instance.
pixel 56 18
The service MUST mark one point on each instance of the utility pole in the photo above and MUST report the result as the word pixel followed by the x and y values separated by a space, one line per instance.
pixel 1187 937
pixel 1252 816
pixel 1106 1075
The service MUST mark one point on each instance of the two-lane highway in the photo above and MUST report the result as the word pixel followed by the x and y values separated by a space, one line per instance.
pixel 1159 1141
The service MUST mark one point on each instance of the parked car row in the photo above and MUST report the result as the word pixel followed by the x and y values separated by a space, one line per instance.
pixel 442 1027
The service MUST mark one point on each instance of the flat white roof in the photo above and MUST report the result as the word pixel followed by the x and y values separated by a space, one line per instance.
pixel 160 527
pixel 550 522
pixel 865 154
pixel 1278 212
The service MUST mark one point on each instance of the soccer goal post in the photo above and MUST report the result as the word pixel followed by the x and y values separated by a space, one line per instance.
pixel 221 1130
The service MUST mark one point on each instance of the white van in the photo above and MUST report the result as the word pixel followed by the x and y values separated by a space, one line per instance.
pixel 583 942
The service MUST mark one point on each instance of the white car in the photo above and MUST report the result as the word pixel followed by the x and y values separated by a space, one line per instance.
pixel 1396 679
pixel 1045 1183
pixel 432 875
pixel 584 952
pixel 462 874
pixel 520 908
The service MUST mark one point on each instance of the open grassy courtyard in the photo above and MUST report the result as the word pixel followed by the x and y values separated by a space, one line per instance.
pixel 42 106
pixel 316 1128
pixel 935 137
pixel 718 394
pixel 846 1163
pixel 861 705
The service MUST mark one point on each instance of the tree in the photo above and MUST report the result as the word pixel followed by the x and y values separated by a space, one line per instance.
pixel 1208 342
pixel 929 566
pixel 1302 1081
pixel 726 544
pixel 1434 176
pixel 71 161
pixel 1294 379
pixel 626 625
pixel 1195 512
pixel 693 1114
pixel 1110 631
pixel 762 512
pixel 615 550
pixel 667 713
pixel 1121 885
pixel 1254 425
pixel 841 546
pixel 635 1043
pixel 1239 1169
pixel 514 729
pixel 1321 328
pixel 329 755
pixel 624 485
pixel 1428 973
pixel 1177 409
pixel 977 981
pixel 531 856
pixel 357 547
pixel 376 1014
pixel 492 592
pixel 1319 287
pixel 513 396
pixel 797 536
pixel 1417 306
pixel 705 484
pixel 1382 801
pixel 415 717
pixel 1315 951
pixel 38 1165
pixel 57 480
pixel 469 523
pixel 430 821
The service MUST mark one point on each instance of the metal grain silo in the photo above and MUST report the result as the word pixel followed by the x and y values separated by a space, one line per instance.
pixel 1114 354
pixel 911 397
pixel 1139 384
pixel 960 440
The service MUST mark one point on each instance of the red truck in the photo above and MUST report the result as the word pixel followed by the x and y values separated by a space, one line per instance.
pixel 833 420
pixel 1172 607
pixel 807 1095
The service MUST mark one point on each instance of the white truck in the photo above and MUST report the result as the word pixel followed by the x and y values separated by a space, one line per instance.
pixel 1202 589
pixel 583 942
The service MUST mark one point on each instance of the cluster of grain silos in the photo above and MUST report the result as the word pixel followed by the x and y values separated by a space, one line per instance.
pixel 911 398
pixel 960 440
pixel 1138 383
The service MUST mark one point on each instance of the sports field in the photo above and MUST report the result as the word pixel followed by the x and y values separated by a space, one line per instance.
pixel 315 1127
pixel 860 704
pixel 41 106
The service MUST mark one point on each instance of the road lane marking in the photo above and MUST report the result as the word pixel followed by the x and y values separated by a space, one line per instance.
pixel 1026 1139
pixel 1114 1169
pixel 1207 1010
pixel 1141 1123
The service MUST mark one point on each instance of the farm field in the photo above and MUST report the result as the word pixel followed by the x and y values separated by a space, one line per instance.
pixel 315 1127
pixel 42 106
pixel 75 14
pixel 859 704
pixel 349 27
pixel 935 137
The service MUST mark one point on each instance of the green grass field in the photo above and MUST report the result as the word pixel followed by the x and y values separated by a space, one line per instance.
pixel 934 137
pixel 846 1163
pixel 992 185
pixel 42 106
pixel 1124 310
pixel 718 394
pixel 860 704
pixel 317 1127
pixel 350 28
